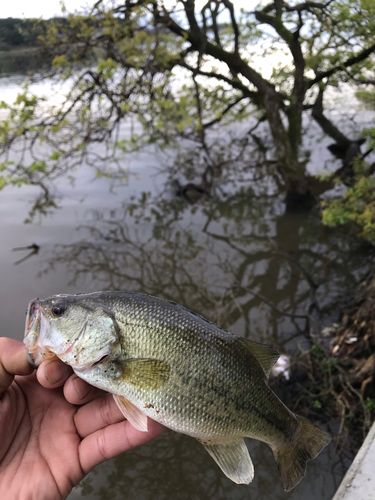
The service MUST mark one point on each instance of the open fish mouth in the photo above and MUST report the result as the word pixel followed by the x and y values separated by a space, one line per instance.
pixel 33 313
pixel 34 332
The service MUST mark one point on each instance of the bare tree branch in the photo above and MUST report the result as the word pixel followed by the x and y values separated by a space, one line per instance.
pixel 229 5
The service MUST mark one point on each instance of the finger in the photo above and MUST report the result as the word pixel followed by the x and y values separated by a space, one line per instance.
pixel 96 415
pixel 109 442
pixel 78 392
pixel 13 361
pixel 53 373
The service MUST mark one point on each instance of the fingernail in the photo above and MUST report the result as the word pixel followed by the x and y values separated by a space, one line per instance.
pixel 82 389
pixel 54 372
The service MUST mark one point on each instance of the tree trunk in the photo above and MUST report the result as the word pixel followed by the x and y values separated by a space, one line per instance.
pixel 291 170
pixel 287 142
pixel 299 194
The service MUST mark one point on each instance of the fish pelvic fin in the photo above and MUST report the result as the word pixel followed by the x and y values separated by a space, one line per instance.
pixel 292 458
pixel 233 459
pixel 135 416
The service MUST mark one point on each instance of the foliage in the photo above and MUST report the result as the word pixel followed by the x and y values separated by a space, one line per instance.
pixel 370 403
pixel 15 33
pixel 367 97
pixel 356 206
pixel 178 73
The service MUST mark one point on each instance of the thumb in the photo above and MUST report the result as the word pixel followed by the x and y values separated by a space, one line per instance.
pixel 13 362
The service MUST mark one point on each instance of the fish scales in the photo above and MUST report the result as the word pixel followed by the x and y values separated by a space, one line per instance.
pixel 163 361
pixel 221 376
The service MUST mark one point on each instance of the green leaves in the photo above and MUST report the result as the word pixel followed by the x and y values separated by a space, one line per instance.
pixel 38 166
pixel 367 97
pixel 60 61
pixel 106 68
pixel 55 156
pixel 356 206
pixel 370 403
pixel 139 61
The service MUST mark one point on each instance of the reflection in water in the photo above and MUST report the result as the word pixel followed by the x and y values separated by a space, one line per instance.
pixel 242 264
pixel 176 466
pixel 22 61
pixel 239 260
pixel 34 251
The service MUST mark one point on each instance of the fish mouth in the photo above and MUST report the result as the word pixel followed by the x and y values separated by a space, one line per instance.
pixel 33 314
pixel 34 330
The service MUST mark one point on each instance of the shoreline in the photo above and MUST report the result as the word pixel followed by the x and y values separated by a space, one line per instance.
pixel 19 51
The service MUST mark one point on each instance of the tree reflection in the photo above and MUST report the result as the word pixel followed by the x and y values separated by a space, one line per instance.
pixel 177 466
pixel 238 260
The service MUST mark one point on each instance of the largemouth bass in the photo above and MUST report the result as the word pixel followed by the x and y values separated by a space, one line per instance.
pixel 162 361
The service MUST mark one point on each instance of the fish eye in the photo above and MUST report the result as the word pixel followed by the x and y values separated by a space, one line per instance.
pixel 58 309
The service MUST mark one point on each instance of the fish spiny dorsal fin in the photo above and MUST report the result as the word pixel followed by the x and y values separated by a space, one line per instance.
pixel 265 355
pixel 233 459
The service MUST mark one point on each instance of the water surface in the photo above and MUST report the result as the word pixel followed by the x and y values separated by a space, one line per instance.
pixel 235 257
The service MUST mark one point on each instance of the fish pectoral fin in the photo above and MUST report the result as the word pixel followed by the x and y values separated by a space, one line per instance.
pixel 233 459
pixel 135 416
pixel 264 354
pixel 144 373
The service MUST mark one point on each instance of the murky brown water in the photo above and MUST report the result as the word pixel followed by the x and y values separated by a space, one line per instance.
pixel 234 257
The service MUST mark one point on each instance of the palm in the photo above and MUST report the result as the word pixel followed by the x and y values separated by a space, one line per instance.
pixel 42 442
pixel 52 435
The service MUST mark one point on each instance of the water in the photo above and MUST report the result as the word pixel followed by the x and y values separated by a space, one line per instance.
pixel 235 257
pixel 15 61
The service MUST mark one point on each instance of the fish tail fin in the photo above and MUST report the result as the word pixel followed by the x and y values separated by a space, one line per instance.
pixel 292 458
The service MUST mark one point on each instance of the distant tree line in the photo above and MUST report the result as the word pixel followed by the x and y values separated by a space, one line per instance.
pixel 16 33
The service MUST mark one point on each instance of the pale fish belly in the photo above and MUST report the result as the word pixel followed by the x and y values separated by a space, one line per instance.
pixel 178 407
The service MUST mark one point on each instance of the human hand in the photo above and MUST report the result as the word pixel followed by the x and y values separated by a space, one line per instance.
pixel 47 442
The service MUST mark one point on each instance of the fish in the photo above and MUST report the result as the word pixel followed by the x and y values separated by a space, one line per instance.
pixel 162 361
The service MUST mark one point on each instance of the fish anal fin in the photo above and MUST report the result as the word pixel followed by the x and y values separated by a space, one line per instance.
pixel 135 416
pixel 264 354
pixel 233 459
pixel 144 373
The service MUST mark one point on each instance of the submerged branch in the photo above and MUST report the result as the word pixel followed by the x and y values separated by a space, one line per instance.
pixel 270 304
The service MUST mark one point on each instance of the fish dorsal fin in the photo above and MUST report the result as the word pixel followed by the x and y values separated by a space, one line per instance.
pixel 265 355
pixel 144 373
pixel 233 459
pixel 135 416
